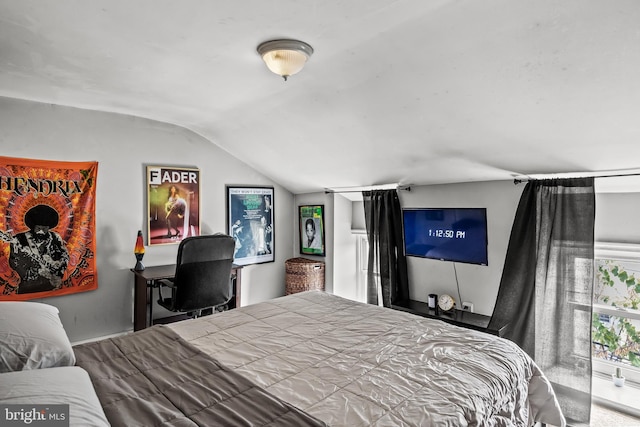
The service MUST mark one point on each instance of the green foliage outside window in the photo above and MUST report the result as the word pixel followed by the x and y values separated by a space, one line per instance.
pixel 616 338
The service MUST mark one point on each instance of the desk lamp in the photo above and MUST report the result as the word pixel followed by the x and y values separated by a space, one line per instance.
pixel 138 251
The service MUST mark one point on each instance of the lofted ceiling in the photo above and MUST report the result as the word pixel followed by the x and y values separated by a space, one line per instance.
pixel 406 91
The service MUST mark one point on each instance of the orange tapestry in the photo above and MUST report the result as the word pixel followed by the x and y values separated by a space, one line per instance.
pixel 47 228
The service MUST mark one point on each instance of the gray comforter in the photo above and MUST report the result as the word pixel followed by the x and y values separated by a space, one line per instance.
pixel 350 364
pixel 154 378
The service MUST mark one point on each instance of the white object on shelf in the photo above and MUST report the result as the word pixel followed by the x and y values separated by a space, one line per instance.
pixel 618 381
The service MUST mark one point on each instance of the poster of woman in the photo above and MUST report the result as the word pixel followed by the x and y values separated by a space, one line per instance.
pixel 250 221
pixel 312 230
pixel 173 204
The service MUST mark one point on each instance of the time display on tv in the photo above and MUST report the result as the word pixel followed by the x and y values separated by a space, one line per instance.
pixel 447 234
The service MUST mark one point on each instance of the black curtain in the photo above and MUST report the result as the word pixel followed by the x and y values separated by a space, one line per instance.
pixel 387 265
pixel 545 294
pixel 515 302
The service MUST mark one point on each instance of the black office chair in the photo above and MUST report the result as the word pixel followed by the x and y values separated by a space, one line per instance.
pixel 202 279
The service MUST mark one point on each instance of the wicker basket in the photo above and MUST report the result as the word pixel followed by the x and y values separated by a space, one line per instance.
pixel 304 275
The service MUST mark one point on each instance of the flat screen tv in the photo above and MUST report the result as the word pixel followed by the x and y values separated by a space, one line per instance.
pixel 448 234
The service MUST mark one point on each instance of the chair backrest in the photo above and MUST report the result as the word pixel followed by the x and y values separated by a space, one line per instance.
pixel 203 270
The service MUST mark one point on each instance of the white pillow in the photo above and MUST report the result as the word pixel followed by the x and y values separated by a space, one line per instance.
pixel 32 337
pixel 69 385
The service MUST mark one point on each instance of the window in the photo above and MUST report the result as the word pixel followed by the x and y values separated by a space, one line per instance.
pixel 616 310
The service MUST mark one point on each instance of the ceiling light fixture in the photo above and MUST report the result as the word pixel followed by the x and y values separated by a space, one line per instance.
pixel 285 57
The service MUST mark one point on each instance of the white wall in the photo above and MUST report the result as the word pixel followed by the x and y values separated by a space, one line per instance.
pixel 344 247
pixel 123 146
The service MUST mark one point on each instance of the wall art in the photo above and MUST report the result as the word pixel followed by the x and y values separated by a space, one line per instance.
pixel 173 204
pixel 47 228
pixel 250 220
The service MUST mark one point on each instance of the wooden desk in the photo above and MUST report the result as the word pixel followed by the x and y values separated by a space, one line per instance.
pixel 466 319
pixel 146 280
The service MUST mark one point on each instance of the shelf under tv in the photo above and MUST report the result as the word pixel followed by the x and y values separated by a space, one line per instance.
pixel 466 319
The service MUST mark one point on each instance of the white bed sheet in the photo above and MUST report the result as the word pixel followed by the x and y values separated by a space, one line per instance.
pixel 67 385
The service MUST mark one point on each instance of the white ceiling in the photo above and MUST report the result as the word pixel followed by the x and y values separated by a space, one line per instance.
pixel 406 91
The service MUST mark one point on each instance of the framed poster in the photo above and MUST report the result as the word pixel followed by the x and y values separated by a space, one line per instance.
pixel 47 228
pixel 311 220
pixel 250 221
pixel 173 204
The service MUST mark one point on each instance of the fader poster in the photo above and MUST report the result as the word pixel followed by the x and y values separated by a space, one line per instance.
pixel 173 204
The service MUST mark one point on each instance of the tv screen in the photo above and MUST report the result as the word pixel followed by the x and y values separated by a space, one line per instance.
pixel 448 234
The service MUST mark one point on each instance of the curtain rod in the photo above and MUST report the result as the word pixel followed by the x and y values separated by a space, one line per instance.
pixel 399 187
pixel 517 181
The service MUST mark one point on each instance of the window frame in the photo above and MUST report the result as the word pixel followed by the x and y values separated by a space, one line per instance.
pixel 618 252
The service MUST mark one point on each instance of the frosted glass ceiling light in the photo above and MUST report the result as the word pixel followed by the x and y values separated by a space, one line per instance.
pixel 285 57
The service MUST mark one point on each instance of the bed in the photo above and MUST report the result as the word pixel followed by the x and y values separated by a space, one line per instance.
pixel 316 359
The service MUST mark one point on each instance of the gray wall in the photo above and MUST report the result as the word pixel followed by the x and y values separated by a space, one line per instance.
pixel 617 217
pixel 340 243
pixel 327 201
pixel 123 146
pixel 477 284
pixel 616 222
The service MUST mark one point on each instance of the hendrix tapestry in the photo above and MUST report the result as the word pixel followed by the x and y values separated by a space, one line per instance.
pixel 47 228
